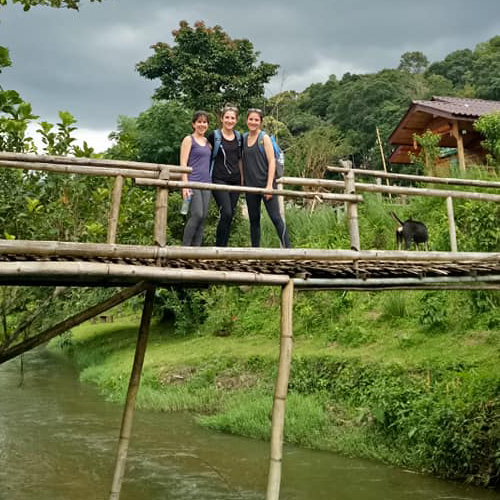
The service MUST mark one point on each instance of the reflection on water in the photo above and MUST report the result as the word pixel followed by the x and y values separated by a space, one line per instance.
pixel 58 442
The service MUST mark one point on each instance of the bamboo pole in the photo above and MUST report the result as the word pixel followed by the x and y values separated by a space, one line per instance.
pixel 373 188
pixel 460 145
pixel 133 388
pixel 352 212
pixel 378 180
pixel 480 286
pixel 161 211
pixel 382 154
pixel 106 275
pixel 451 223
pixel 74 250
pixel 246 189
pixel 71 322
pixel 82 169
pixel 370 282
pixel 281 201
pixel 419 178
pixel 280 393
pixel 115 209
pixel 91 162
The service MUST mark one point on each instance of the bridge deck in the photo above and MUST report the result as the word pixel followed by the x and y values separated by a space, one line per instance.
pixel 88 264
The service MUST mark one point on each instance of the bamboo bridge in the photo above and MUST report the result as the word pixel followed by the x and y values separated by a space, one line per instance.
pixel 141 269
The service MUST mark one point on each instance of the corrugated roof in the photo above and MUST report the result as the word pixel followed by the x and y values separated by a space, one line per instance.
pixel 461 106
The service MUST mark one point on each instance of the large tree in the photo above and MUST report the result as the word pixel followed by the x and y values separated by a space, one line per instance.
pixel 413 62
pixel 204 68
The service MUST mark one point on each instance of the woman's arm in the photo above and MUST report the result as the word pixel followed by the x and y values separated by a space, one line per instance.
pixel 271 164
pixel 185 150
pixel 242 175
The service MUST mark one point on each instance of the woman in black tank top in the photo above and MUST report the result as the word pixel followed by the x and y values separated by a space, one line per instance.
pixel 259 171
pixel 226 169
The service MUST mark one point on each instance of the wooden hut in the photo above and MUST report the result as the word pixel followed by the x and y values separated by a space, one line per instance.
pixel 451 117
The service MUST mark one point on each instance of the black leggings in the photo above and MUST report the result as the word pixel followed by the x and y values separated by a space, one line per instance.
pixel 226 201
pixel 273 210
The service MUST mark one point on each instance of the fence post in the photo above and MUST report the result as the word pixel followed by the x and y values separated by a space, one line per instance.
pixel 280 393
pixel 451 223
pixel 352 211
pixel 161 211
pixel 114 212
pixel 378 180
pixel 133 388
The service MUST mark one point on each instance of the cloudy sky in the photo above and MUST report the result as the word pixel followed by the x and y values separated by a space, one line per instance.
pixel 84 62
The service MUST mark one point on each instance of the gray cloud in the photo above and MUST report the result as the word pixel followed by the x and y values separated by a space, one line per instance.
pixel 85 62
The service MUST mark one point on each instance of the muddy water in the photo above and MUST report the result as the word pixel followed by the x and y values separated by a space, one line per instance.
pixel 58 442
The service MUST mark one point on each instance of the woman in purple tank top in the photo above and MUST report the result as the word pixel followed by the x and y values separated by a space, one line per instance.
pixel 196 153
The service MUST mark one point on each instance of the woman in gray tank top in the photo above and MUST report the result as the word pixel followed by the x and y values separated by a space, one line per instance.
pixel 196 153
pixel 259 169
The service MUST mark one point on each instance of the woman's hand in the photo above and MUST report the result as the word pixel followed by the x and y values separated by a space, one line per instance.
pixel 268 196
pixel 186 193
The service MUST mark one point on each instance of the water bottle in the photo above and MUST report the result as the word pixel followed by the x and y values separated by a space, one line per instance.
pixel 185 205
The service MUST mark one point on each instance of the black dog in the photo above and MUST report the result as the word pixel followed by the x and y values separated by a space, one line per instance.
pixel 411 231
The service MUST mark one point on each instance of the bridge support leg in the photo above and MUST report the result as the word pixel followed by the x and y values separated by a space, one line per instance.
pixel 278 421
pixel 352 212
pixel 133 387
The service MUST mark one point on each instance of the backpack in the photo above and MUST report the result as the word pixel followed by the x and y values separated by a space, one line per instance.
pixel 279 156
pixel 218 143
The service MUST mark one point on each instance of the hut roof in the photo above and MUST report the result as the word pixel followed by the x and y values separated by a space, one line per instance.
pixel 437 114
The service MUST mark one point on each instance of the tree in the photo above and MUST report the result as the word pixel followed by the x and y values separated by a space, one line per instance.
pixel 485 73
pixel 160 130
pixel 413 62
pixel 125 145
pixel 312 152
pixel 456 67
pixel 286 107
pixel 489 126
pixel 15 115
pixel 316 97
pixel 425 160
pixel 27 4
pixel 373 100
pixel 205 68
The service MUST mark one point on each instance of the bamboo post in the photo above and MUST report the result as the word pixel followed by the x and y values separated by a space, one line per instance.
pixel 133 388
pixel 378 181
pixel 383 159
pixel 460 145
pixel 281 202
pixel 115 208
pixel 161 211
pixel 451 222
pixel 280 393
pixel 352 211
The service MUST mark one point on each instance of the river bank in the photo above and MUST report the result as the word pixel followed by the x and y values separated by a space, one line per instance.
pixel 430 404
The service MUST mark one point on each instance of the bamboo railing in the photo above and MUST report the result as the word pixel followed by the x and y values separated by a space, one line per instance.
pixel 449 195
pixel 166 177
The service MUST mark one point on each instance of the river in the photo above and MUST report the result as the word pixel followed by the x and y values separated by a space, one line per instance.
pixel 58 441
